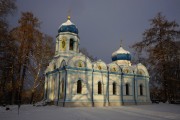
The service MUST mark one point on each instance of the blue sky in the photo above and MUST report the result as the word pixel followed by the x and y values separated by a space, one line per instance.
pixel 101 23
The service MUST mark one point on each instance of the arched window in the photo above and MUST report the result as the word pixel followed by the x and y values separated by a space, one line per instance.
pixel 141 89
pixel 71 45
pixel 114 88
pixel 79 86
pixel 99 88
pixel 127 89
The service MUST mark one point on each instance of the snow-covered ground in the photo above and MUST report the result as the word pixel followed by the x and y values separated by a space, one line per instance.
pixel 140 112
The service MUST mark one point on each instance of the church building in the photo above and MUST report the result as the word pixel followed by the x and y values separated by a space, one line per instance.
pixel 73 80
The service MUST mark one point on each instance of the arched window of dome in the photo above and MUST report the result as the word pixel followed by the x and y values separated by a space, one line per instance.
pixel 79 87
pixel 99 88
pixel 141 89
pixel 127 89
pixel 71 44
pixel 114 88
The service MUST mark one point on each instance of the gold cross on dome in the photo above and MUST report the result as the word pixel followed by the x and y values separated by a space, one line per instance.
pixel 69 14
pixel 121 43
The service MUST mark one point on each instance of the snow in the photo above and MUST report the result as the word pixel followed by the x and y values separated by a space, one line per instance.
pixel 134 112
pixel 68 22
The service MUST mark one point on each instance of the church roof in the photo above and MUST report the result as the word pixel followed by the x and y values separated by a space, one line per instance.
pixel 120 51
pixel 121 54
pixel 68 26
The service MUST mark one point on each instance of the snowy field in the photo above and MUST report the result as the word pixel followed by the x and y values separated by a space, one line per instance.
pixel 140 112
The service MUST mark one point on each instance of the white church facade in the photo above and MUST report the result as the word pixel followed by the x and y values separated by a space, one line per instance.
pixel 73 80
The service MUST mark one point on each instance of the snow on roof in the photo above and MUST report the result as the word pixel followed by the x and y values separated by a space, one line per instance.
pixel 120 51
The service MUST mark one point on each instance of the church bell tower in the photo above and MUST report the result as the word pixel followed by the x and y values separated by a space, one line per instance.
pixel 67 40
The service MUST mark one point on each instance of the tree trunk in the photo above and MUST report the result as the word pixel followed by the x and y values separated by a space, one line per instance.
pixel 32 97
pixel 34 85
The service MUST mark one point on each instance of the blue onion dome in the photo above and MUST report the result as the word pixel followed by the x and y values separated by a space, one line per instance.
pixel 121 54
pixel 68 26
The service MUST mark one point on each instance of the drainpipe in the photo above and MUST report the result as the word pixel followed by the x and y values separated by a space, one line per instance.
pixel 146 88
pixel 92 86
pixel 134 90
pixel 122 87
pixel 108 85
pixel 58 89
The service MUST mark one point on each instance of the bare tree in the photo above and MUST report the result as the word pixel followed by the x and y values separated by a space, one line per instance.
pixel 7 49
pixel 40 58
pixel 159 42
pixel 85 52
pixel 25 35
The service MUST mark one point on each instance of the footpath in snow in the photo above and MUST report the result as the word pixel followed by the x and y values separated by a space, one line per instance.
pixel 161 111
